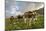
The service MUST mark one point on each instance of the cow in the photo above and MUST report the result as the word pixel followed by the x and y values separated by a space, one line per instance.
pixel 19 18
pixel 29 16
pixel 11 19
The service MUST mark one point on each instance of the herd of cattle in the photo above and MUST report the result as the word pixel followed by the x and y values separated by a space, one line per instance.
pixel 30 16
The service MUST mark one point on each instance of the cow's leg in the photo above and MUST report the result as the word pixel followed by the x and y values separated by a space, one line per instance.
pixel 35 18
pixel 30 19
pixel 24 20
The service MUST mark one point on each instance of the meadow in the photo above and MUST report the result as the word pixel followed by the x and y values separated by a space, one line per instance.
pixel 20 25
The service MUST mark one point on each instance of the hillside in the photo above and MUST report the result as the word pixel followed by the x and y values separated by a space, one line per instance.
pixel 40 11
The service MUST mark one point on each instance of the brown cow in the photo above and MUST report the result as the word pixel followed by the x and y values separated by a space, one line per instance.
pixel 29 16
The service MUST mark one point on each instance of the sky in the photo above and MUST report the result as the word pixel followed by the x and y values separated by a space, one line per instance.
pixel 14 8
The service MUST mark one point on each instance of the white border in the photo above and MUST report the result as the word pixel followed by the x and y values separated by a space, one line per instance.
pixel 2 15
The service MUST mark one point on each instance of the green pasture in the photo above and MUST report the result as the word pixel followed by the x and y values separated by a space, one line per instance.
pixel 17 25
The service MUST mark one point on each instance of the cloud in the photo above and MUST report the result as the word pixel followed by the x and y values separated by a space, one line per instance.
pixel 29 6
pixel 14 8
pixel 17 7
pixel 10 6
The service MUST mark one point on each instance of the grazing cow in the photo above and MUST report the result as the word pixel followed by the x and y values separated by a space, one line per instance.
pixel 11 19
pixel 19 18
pixel 29 16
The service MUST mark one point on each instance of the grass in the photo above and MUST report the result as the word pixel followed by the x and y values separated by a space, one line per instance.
pixel 39 23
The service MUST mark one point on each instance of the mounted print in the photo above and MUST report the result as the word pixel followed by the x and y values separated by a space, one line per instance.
pixel 23 15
